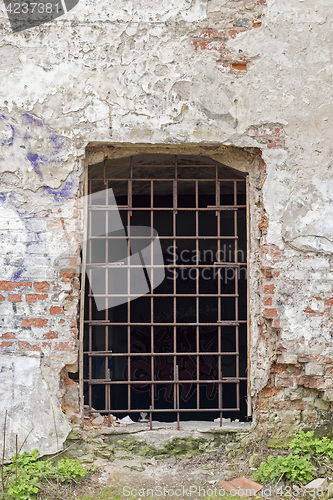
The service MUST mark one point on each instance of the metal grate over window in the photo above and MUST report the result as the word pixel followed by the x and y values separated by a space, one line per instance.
pixel 178 350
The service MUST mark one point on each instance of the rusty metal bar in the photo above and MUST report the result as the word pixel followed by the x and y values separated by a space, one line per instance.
pixel 248 250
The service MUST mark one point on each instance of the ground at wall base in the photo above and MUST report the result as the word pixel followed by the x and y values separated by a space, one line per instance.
pixel 126 460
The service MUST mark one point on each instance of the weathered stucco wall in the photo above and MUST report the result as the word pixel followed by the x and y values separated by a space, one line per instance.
pixel 207 72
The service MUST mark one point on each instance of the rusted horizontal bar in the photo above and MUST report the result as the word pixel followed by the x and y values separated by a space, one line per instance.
pixel 172 166
pixel 159 295
pixel 170 237
pixel 166 410
pixel 110 354
pixel 163 382
pixel 219 323
pixel 172 266
pixel 110 208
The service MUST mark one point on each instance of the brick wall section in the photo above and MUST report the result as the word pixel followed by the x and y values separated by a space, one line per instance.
pixel 48 325
pixel 39 311
pixel 300 386
pixel 271 134
pixel 242 18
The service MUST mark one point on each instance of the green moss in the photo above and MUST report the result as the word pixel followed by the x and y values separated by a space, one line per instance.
pixel 176 447
pixel 278 443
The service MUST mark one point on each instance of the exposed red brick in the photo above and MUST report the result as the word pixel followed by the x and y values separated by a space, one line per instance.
pixel 33 297
pixel 50 335
pixel 47 345
pixel 26 346
pixel 15 297
pixel 8 285
pixel 264 222
pixel 36 322
pixel 311 312
pixel 329 302
pixel 67 274
pixel 5 345
pixel 268 301
pixel 2 298
pixel 276 324
pixel 72 262
pixel 270 313
pixel 239 66
pixel 64 346
pixel 268 288
pixel 256 24
pixel 42 286
pixel 74 332
pixel 8 335
pixel 56 310
pixel 312 383
pixel 234 32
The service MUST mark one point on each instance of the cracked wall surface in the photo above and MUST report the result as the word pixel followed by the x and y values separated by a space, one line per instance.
pixel 238 73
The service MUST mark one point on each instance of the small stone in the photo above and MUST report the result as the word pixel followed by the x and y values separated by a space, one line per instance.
pixel 98 420
pixel 106 454
pixel 314 370
pixel 87 459
pixel 242 23
pixel 309 416
pixel 288 358
pixel 320 482
pixel 255 460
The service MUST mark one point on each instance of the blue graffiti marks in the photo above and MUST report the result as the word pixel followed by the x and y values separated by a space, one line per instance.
pixel 64 192
pixel 42 137
pixel 34 159
pixel 18 273
pixel 9 133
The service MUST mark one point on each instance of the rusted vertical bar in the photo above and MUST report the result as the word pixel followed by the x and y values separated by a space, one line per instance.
pixel 129 213
pixel 150 418
pixel 236 292
pixel 248 259
pixel 174 232
pixel 84 222
pixel 90 314
pixel 177 396
pixel 152 359
pixel 197 299
pixel 106 331
pixel 219 298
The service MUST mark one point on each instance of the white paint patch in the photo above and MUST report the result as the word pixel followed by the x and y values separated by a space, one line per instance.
pixel 43 417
